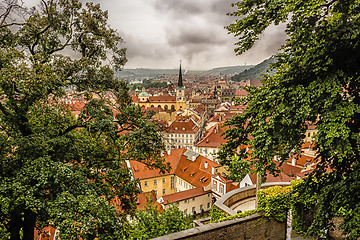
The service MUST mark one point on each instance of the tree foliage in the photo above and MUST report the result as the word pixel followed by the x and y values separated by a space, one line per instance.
pixel 152 223
pixel 317 81
pixel 148 84
pixel 55 169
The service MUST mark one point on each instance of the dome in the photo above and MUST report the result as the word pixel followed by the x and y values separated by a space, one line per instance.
pixel 144 94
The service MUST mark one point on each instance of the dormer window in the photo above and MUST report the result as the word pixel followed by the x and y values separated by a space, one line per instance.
pixel 176 128
pixel 183 129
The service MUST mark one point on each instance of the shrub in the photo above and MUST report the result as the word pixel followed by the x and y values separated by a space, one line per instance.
pixel 275 202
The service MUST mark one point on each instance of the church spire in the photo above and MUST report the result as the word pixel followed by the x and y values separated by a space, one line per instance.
pixel 180 82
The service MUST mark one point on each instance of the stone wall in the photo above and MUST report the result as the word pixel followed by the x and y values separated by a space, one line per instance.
pixel 254 227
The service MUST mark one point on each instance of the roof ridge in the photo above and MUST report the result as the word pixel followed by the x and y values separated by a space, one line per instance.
pixel 182 152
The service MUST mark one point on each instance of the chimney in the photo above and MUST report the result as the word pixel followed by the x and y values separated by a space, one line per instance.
pixel 206 165
pixel 169 151
pixel 212 170
pixel 293 161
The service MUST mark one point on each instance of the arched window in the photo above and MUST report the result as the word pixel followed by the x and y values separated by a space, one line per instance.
pixel 166 107
pixel 159 106
pixel 152 106
pixel 172 107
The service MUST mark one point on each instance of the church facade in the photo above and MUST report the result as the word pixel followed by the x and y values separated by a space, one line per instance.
pixel 165 102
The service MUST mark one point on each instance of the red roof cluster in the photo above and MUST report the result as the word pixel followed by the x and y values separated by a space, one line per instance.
pixel 186 164
pixel 182 125
pixel 213 137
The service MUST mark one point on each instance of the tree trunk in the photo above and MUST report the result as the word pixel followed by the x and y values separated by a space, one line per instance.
pixel 29 225
pixel 258 186
pixel 15 226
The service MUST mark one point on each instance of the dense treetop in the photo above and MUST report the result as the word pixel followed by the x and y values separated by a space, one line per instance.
pixel 317 81
pixel 56 169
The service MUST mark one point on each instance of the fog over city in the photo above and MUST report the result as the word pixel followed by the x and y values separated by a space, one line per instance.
pixel 158 33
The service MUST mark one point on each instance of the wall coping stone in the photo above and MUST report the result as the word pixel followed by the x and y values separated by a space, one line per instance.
pixel 207 228
pixel 220 202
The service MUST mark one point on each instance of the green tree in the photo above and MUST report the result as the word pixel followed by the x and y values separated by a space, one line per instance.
pixel 56 169
pixel 317 80
pixel 152 223
pixel 150 113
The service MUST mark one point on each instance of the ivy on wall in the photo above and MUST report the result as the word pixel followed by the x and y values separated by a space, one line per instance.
pixel 274 202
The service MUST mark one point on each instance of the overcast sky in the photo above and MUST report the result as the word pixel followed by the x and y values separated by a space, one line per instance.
pixel 160 33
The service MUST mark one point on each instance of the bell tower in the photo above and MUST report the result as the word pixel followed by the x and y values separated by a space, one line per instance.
pixel 180 90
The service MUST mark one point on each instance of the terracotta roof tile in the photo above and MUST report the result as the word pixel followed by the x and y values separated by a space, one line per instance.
pixel 163 98
pixel 302 160
pixel 174 197
pixel 194 171
pixel 141 171
pixel 213 137
pixel 144 198
pixel 182 126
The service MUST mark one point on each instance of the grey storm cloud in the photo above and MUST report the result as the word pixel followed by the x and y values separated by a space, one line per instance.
pixel 158 33
pixel 196 27
pixel 195 35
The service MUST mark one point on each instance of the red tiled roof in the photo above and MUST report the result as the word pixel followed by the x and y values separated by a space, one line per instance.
pixel 141 171
pixel 194 172
pixel 237 108
pixel 162 99
pixel 221 117
pixel 287 174
pixel 143 200
pixel 47 233
pixel 213 137
pixel 186 126
pixel 201 109
pixel 174 197
pixel 134 99
pixel 302 159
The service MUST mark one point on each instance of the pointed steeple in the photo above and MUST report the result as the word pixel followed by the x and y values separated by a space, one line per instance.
pixel 180 82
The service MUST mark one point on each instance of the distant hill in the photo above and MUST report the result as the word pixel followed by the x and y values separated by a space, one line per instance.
pixel 143 73
pixel 255 71
pixel 227 70
pixel 148 73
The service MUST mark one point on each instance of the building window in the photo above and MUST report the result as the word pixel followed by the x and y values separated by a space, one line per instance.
pixel 201 207
pixel 193 210
pixel 145 184
pixel 215 186
pixel 208 206
pixel 155 182
pixel 185 211
pixel 163 180
pixel 164 191
pixel 185 184
pixel 155 192
pixel 193 199
pixel 172 184
pixel 221 189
